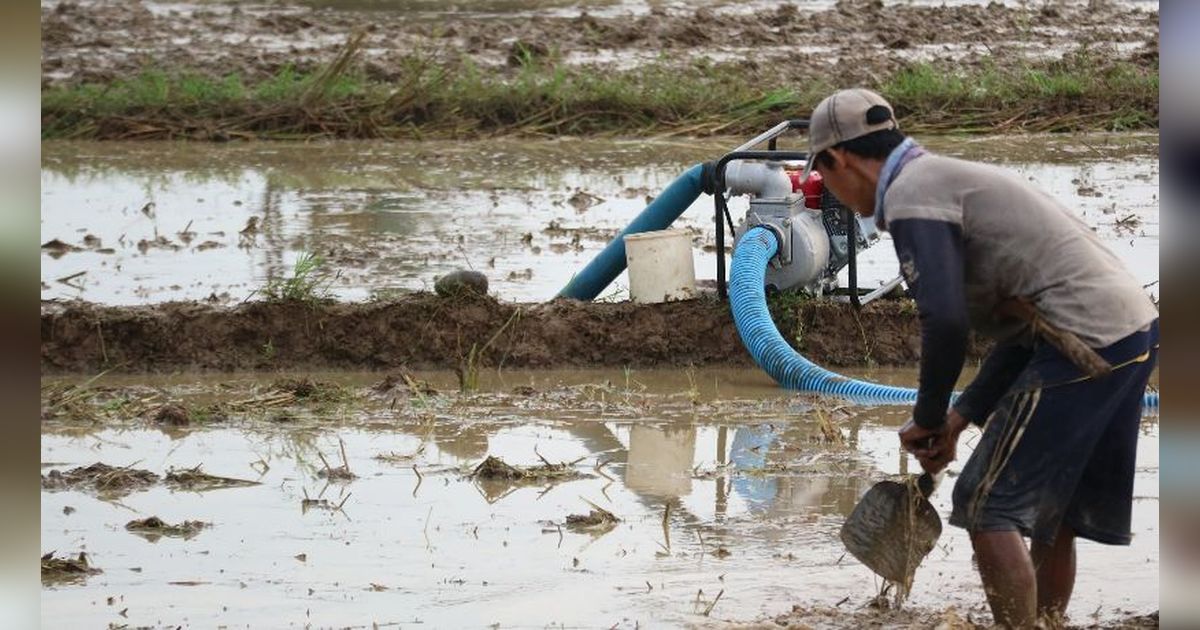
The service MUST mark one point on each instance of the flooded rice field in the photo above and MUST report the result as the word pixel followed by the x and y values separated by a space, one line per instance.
pixel 194 473
pixel 646 499
pixel 130 223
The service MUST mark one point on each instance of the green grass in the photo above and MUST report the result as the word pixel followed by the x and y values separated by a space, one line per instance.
pixel 786 310
pixel 460 99
pixel 309 282
pixel 1076 93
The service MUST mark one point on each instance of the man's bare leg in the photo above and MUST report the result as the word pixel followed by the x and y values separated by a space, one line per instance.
pixel 1008 577
pixel 1055 567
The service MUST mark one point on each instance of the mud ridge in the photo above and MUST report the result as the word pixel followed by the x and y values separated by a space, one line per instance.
pixel 423 331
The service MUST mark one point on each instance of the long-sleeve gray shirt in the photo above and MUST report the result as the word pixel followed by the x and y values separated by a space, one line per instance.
pixel 970 235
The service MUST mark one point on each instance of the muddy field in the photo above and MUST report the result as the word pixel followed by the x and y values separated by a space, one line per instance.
pixel 400 70
pixel 374 455
pixel 100 41
pixel 643 498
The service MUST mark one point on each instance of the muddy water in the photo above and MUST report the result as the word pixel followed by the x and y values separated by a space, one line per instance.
pixel 148 223
pixel 755 498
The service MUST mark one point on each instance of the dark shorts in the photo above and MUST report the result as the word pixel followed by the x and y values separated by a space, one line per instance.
pixel 1060 449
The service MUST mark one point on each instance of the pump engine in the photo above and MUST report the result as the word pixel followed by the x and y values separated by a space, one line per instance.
pixel 818 235
pixel 810 223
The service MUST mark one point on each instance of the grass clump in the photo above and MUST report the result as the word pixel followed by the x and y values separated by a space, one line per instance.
pixel 309 282
pixel 468 368
pixel 787 309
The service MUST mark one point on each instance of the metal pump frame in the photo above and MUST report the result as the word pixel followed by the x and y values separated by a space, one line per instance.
pixel 721 209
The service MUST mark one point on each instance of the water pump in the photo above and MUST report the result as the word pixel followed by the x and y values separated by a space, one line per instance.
pixel 818 236
pixel 795 235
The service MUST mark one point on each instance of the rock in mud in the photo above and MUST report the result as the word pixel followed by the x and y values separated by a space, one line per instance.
pixel 461 283
pixel 172 415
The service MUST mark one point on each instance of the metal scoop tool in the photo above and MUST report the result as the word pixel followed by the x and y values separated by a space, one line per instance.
pixel 894 526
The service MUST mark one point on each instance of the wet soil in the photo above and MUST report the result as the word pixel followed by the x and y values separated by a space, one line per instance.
pixel 494 468
pixel 100 478
pixel 66 569
pixel 835 618
pixel 728 492
pixel 197 480
pixel 424 331
pixel 115 482
pixel 153 528
pixel 856 41
pixel 173 415
pixel 596 519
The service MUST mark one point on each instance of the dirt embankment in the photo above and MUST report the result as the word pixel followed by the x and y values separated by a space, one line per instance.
pixel 424 331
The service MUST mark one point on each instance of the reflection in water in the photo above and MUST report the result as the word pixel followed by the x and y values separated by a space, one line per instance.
pixel 672 461
pixel 660 460
pixel 749 453
pixel 468 442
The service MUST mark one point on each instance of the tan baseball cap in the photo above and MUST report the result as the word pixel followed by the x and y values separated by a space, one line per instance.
pixel 843 116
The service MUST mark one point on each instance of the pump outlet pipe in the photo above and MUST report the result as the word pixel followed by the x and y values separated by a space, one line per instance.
pixel 771 352
pixel 659 215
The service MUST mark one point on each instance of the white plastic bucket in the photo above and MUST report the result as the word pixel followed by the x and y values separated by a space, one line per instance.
pixel 660 266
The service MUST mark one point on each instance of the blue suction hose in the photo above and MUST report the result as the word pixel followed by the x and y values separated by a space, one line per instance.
pixel 659 215
pixel 772 353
